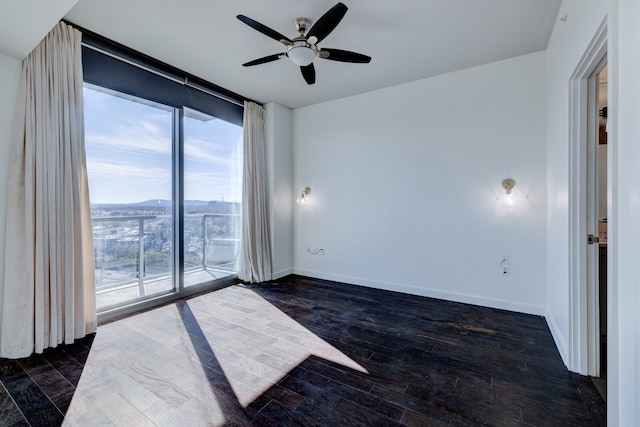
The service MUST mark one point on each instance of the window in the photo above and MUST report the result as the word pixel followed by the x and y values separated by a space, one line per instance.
pixel 212 188
pixel 164 163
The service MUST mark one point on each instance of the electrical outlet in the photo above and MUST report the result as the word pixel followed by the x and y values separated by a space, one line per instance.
pixel 505 265
pixel 315 251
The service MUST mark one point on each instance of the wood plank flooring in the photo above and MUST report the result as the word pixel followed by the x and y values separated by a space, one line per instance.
pixel 304 352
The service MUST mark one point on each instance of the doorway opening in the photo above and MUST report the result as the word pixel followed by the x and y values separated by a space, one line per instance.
pixel 599 377
pixel 588 204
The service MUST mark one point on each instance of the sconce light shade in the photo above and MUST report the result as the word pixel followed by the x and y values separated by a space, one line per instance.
pixel 508 185
pixel 305 196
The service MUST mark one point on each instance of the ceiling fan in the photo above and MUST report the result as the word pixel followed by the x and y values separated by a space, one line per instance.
pixel 304 49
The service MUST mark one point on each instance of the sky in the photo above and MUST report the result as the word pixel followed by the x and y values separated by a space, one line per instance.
pixel 128 148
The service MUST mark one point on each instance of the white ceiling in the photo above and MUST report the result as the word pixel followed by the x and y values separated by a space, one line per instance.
pixel 407 39
pixel 24 23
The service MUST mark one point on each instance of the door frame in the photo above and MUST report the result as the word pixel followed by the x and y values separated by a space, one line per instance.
pixel 584 338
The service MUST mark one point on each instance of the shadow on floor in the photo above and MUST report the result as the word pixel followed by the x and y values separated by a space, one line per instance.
pixel 425 362
pixel 38 390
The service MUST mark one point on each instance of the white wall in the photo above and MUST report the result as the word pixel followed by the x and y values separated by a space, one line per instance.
pixel 568 44
pixel 9 82
pixel 279 139
pixel 406 182
pixel 623 340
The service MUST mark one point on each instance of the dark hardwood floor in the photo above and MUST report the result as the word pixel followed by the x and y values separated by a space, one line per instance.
pixel 304 352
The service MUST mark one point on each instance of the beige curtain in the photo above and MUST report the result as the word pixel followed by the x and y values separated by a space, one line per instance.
pixel 255 245
pixel 49 295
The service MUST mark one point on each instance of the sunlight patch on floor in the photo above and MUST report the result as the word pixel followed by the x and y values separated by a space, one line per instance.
pixel 182 364
pixel 142 371
pixel 257 344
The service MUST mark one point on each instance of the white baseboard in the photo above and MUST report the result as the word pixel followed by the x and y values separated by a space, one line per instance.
pixel 282 273
pixel 561 344
pixel 426 292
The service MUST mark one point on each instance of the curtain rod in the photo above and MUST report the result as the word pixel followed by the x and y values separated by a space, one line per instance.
pixel 184 82
pixel 189 80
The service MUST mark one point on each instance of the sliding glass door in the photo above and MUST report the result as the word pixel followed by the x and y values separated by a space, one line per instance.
pixel 129 161
pixel 165 189
pixel 164 160
pixel 212 192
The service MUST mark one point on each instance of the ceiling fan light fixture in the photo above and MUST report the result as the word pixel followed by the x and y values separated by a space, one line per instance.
pixel 303 49
pixel 302 53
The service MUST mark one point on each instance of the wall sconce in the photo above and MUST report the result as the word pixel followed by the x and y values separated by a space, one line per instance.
pixel 508 185
pixel 305 196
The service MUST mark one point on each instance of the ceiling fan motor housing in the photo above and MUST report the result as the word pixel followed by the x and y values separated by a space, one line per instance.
pixel 302 24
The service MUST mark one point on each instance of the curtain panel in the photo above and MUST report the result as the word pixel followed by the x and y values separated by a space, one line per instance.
pixel 255 243
pixel 49 286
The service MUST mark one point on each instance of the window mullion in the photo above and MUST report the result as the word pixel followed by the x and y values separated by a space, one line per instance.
pixel 178 197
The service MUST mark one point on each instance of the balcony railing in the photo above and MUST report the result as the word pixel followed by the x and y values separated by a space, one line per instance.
pixel 134 251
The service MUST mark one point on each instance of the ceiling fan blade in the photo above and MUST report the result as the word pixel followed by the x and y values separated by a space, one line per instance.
pixel 309 73
pixel 327 22
pixel 265 30
pixel 344 56
pixel 264 60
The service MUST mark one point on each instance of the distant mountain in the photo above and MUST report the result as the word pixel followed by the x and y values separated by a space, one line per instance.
pixel 198 202
pixel 152 203
pixel 163 207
